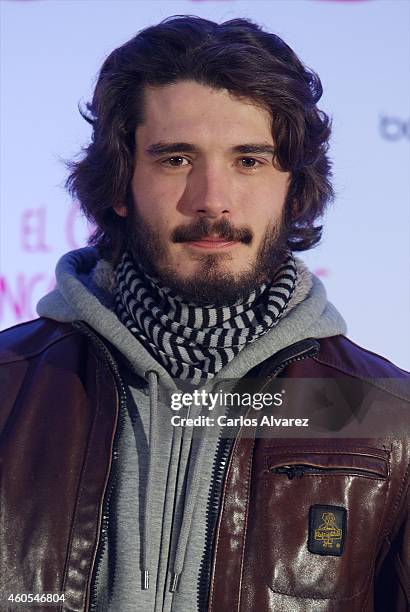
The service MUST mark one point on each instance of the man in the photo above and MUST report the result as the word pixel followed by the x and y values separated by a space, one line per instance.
pixel 206 171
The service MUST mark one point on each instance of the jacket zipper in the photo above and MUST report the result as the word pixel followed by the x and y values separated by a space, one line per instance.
pixel 299 470
pixel 224 447
pixel 112 470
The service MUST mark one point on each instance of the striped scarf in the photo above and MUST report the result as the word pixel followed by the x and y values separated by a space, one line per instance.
pixel 193 343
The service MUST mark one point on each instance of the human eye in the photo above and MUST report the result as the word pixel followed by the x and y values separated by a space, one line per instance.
pixel 250 163
pixel 173 162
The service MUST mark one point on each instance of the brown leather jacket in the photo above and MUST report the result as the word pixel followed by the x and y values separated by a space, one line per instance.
pixel 301 524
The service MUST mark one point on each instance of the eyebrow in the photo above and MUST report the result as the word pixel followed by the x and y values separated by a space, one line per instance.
pixel 164 148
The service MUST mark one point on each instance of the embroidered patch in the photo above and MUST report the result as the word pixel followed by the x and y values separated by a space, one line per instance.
pixel 327 529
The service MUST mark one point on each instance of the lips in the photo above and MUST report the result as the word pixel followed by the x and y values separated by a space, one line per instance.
pixel 212 242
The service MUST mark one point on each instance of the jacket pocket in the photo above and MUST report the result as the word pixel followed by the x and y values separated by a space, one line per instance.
pixel 323 512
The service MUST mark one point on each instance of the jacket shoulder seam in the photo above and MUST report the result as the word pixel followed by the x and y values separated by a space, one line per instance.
pixel 367 352
pixel 354 374
pixel 29 355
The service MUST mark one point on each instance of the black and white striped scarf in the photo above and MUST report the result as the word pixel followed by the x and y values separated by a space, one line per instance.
pixel 193 343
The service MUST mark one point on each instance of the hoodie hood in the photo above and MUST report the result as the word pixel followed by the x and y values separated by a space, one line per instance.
pixel 84 292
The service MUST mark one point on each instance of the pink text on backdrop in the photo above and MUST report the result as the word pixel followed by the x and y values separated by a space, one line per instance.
pixel 35 231
pixel 20 293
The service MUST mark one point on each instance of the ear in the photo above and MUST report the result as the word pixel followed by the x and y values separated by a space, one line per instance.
pixel 121 210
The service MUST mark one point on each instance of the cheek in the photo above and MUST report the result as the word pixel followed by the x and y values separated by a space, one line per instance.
pixel 156 216
pixel 265 214
pixel 265 197
pixel 150 204
pixel 154 196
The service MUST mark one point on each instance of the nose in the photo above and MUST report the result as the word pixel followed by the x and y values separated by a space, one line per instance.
pixel 208 192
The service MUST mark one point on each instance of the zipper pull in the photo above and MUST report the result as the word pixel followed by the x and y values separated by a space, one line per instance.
pixel 292 471
pixel 296 471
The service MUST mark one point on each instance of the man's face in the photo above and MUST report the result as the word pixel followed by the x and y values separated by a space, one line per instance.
pixel 207 208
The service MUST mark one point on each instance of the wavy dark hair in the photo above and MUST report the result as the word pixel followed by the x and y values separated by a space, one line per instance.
pixel 237 55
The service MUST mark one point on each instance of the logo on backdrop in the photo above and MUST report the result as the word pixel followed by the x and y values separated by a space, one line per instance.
pixel 394 128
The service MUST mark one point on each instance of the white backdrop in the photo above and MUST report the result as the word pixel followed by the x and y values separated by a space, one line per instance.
pixel 51 51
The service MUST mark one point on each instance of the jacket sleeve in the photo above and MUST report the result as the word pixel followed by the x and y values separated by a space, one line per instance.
pixel 392 584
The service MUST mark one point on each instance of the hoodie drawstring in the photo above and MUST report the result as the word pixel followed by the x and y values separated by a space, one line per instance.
pixel 191 494
pixel 153 438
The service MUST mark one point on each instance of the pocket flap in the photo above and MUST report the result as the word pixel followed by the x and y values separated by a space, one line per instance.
pixel 332 460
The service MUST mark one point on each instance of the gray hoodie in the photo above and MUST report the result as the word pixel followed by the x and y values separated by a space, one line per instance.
pixel 160 506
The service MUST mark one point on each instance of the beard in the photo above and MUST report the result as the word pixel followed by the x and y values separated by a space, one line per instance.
pixel 211 285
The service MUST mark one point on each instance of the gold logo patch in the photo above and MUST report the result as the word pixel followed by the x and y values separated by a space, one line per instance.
pixel 327 529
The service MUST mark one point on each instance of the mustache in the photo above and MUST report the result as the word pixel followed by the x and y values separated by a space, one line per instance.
pixel 203 228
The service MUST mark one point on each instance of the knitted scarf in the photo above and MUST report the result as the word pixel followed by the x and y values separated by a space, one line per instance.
pixel 193 343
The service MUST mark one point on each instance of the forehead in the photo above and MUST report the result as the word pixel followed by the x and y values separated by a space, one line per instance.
pixel 191 111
